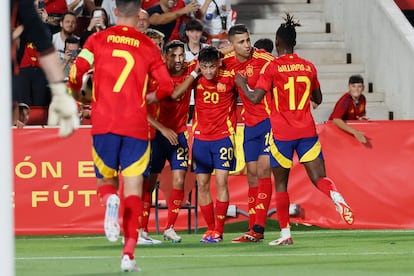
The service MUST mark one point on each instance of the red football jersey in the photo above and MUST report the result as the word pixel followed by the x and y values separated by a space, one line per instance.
pixel 215 107
pixel 252 114
pixel 174 114
pixel 346 109
pixel 122 58
pixel 291 80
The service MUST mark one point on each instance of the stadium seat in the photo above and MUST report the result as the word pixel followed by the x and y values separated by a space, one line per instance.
pixel 38 115
pixel 188 205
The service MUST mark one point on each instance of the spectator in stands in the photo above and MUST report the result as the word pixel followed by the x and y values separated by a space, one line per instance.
pixel 109 6
pixel 164 18
pixel 62 110
pixel 217 18
pixel 30 85
pixel 79 6
pixel 265 44
pixel 143 21
pixel 23 112
pixel 99 22
pixel 193 36
pixel 351 106
pixel 55 10
pixel 71 51
pixel 68 26
pixel 146 4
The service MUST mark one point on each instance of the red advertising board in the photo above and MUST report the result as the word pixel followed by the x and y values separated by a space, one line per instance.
pixel 55 192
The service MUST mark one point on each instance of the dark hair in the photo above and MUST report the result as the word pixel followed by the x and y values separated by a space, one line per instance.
pixel 68 13
pixel 72 40
pixel 173 44
pixel 265 44
pixel 237 29
pixel 128 8
pixel 208 54
pixel 194 25
pixel 287 31
pixel 356 79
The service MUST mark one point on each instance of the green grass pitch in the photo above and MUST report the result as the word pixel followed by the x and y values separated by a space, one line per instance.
pixel 314 252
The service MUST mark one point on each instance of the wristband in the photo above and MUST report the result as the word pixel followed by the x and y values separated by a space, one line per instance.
pixel 194 74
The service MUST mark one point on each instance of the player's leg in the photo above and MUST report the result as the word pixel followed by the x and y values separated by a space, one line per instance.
pixel 281 160
pixel 174 204
pixel 105 156
pixel 281 176
pixel 202 165
pixel 310 154
pixel 134 159
pixel 178 159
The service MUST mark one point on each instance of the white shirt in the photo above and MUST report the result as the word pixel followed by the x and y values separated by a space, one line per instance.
pixel 211 20
pixel 59 44
pixel 109 6
pixel 79 7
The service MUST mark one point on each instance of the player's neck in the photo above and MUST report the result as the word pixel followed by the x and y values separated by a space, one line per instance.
pixel 127 21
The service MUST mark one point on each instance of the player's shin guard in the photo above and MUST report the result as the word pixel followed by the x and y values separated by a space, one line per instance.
pixel 264 197
pixel 282 207
pixel 132 213
pixel 326 185
pixel 252 196
pixel 208 214
pixel 174 204
pixel 105 191
pixel 221 214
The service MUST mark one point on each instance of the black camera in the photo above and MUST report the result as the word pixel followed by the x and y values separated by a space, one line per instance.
pixel 223 22
pixel 41 5
pixel 74 53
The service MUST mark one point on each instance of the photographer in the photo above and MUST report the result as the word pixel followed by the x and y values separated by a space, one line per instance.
pixel 99 21
pixel 71 51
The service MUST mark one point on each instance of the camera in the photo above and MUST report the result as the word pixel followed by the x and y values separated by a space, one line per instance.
pixel 41 5
pixel 74 53
pixel 223 22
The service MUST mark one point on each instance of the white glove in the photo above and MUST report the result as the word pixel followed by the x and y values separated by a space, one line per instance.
pixel 63 110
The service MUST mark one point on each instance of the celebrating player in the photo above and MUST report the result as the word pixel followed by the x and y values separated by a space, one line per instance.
pixel 295 87
pixel 249 61
pixel 213 146
pixel 122 58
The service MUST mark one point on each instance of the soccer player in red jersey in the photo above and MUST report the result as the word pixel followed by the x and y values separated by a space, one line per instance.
pixel 257 132
pixel 295 86
pixel 213 147
pixel 351 106
pixel 174 115
pixel 123 58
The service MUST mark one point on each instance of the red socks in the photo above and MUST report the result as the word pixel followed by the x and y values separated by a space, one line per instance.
pixel 326 185
pixel 174 204
pixel 221 214
pixel 264 197
pixel 208 214
pixel 282 207
pixel 132 213
pixel 251 201
pixel 105 191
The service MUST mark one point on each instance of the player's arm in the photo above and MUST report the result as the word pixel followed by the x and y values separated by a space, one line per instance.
pixel 168 133
pixel 316 98
pixel 167 17
pixel 255 96
pixel 359 135
pixel 180 89
pixel 82 64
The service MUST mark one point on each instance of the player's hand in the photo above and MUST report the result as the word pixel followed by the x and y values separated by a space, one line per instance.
pixel 314 105
pixel 170 134
pixel 151 98
pixel 63 110
pixel 241 80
